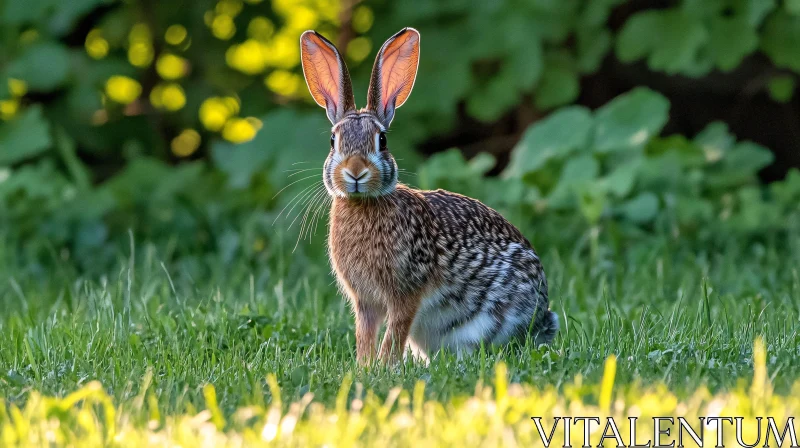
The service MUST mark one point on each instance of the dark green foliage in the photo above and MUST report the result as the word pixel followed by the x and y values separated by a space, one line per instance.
pixel 83 161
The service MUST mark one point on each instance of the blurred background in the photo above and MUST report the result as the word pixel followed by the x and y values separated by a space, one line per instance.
pixel 584 121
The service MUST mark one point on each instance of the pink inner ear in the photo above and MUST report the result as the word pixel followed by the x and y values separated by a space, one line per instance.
pixel 321 67
pixel 398 68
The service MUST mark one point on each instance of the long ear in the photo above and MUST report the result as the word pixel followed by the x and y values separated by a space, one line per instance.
pixel 393 74
pixel 326 75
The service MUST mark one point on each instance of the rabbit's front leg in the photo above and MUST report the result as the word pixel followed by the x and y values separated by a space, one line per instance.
pixel 368 318
pixel 400 317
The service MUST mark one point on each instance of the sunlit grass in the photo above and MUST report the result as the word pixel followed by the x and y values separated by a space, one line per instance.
pixel 657 329
pixel 499 414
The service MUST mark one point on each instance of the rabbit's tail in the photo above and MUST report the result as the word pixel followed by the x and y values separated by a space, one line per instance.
pixel 546 328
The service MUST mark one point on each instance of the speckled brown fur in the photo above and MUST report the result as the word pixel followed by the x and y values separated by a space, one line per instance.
pixel 441 269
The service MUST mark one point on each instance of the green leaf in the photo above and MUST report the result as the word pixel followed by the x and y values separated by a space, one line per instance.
pixel 703 8
pixel 730 40
pixel 753 11
pixel 689 154
pixel 44 66
pixel 525 65
pixel 523 54
pixel 664 172
pixel 575 177
pixel 787 191
pixel 66 14
pixel 755 214
pixel 641 209
pixel 593 46
pixel 287 137
pixel 20 12
pixel 792 6
pixel 560 134
pixel 781 39
pixel 739 166
pixel 481 164
pixel 451 169
pixel 671 40
pixel 595 13
pixel 491 100
pixel 630 120
pixel 781 88
pixel 715 138
pixel 749 156
pixel 24 137
pixel 592 202
pixel 553 20
pixel 637 38
pixel 693 210
pixel 620 181
pixel 559 84
pixel 80 174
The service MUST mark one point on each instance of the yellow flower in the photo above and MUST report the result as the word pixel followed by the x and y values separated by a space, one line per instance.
pixel 170 66
pixel 17 87
pixel 260 28
pixel 246 57
pixel 8 108
pixel 362 19
pixel 96 45
pixel 140 54
pixel 140 33
pixel 329 10
pixel 284 82
pixel 172 97
pixel 239 130
pixel 175 34
pixel 122 89
pixel 155 96
pixel 29 36
pixel 215 111
pixel 282 51
pixel 302 19
pixel 358 49
pixel 229 7
pixel 222 27
pixel 185 143
pixel 232 104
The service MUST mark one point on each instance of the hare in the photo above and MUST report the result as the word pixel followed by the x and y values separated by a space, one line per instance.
pixel 441 269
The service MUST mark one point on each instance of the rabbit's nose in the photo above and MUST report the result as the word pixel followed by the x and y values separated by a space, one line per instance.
pixel 355 177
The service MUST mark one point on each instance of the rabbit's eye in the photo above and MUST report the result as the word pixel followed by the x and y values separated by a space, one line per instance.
pixel 333 140
pixel 382 141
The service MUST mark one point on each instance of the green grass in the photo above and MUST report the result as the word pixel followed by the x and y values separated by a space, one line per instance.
pixel 670 315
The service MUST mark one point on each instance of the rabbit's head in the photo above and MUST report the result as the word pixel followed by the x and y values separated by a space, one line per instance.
pixel 359 163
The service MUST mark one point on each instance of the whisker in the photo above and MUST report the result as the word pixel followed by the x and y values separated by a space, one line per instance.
pixel 306 223
pixel 305 217
pixel 292 183
pixel 324 204
pixel 311 202
pixel 315 184
pixel 308 220
pixel 321 210
pixel 299 170
pixel 306 198
pixel 306 170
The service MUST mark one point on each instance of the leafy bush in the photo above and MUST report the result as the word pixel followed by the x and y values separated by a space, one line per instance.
pixel 185 121
pixel 612 165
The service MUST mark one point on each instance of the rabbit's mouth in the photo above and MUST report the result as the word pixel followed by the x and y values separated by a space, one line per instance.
pixel 357 177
